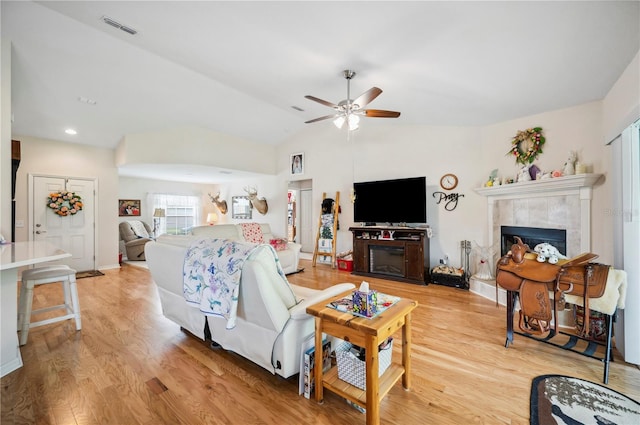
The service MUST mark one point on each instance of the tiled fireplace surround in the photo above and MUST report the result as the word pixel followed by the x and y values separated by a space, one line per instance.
pixel 559 203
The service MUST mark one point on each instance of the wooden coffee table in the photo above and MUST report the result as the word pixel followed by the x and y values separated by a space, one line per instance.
pixel 367 333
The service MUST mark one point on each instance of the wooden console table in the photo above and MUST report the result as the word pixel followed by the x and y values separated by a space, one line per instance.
pixel 367 333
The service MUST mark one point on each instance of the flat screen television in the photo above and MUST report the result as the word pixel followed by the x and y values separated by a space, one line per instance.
pixel 391 201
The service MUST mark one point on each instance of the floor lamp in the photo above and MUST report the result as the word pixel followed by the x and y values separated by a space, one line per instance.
pixel 158 213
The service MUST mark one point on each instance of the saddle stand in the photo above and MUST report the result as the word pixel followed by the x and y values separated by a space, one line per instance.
pixel 531 281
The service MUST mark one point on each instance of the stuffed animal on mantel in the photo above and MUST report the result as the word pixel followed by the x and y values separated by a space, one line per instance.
pixel 548 252
pixel 569 168
pixel 523 174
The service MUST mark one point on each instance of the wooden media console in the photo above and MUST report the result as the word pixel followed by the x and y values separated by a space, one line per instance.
pixel 396 253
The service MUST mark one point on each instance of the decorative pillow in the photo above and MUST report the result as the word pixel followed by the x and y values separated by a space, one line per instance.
pixel 139 229
pixel 252 233
pixel 278 244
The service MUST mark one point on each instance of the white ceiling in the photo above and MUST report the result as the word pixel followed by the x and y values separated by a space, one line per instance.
pixel 239 67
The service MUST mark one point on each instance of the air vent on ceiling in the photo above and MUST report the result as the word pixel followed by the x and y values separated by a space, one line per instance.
pixel 107 20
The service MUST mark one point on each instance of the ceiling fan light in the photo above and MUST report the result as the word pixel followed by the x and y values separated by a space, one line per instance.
pixel 353 120
pixel 338 122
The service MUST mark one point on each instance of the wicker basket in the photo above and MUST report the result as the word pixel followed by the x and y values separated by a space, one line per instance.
pixel 352 370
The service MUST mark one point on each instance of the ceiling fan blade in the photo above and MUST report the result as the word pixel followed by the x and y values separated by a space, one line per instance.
pixel 378 113
pixel 326 117
pixel 324 102
pixel 365 98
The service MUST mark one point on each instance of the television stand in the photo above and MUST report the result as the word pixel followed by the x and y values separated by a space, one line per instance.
pixel 387 252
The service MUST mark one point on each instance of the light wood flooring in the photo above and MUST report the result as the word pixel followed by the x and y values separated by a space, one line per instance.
pixel 130 365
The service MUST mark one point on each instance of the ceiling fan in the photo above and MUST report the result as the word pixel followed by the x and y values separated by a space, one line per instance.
pixel 350 110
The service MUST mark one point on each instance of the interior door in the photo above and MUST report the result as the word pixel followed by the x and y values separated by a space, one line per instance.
pixel 72 233
pixel 307 235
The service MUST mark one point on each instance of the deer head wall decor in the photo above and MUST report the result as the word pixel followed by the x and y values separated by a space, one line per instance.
pixel 222 205
pixel 258 204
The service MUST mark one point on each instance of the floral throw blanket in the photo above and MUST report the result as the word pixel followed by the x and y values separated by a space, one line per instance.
pixel 211 275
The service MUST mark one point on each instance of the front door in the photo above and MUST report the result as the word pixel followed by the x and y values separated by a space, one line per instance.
pixel 73 233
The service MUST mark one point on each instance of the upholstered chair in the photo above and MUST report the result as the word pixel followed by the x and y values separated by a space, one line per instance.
pixel 135 234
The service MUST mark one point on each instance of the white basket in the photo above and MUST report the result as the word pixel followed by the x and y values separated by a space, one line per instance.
pixel 352 370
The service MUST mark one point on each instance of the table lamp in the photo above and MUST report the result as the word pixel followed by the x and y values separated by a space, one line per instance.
pixel 212 218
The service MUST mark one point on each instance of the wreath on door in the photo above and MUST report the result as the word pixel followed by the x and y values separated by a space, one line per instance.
pixel 64 203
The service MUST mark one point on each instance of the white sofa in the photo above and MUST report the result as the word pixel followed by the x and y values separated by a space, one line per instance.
pixel 289 258
pixel 271 323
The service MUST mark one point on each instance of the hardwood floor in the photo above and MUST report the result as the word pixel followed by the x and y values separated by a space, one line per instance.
pixel 130 365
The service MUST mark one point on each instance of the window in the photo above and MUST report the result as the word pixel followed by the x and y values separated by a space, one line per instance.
pixel 182 212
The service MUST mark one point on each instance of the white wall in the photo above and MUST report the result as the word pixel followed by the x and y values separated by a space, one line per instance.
pixel 48 157
pixel 198 146
pixel 141 189
pixel 274 191
pixel 267 186
pixel 384 151
pixel 578 128
pixel 5 138
pixel 621 106
pixel 379 150
pixel 376 151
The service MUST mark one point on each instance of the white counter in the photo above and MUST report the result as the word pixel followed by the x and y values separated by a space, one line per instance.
pixel 12 257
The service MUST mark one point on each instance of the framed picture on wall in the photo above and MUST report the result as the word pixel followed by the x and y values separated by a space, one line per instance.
pixel 129 207
pixel 297 163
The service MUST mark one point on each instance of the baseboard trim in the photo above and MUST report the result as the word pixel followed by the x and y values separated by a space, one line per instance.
pixel 487 289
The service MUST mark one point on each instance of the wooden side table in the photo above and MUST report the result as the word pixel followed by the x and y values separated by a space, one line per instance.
pixel 367 333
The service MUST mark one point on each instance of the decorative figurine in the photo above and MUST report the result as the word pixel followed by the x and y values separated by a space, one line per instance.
pixel 569 166
pixel 523 174
pixel 485 261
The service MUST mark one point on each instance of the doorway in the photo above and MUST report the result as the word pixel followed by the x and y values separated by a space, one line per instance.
pixel 303 214
pixel 72 233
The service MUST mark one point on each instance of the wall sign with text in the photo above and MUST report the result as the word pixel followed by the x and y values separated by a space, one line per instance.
pixel 450 200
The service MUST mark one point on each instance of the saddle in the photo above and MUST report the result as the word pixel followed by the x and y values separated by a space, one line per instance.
pixel 519 271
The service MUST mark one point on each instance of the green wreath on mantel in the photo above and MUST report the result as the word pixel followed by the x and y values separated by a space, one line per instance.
pixel 527 145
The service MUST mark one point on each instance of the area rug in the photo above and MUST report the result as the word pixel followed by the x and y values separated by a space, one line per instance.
pixel 89 273
pixel 558 399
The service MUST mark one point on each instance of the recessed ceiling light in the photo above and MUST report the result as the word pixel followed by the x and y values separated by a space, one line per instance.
pixel 71 131
pixel 225 172
pixel 86 100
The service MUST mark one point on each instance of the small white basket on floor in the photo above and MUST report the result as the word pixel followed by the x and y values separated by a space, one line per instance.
pixel 352 370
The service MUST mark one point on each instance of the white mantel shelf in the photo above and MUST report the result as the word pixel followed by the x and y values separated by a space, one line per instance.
pixel 574 182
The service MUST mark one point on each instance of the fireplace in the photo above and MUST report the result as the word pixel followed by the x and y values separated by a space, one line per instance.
pixel 532 236
pixel 557 204
pixel 387 260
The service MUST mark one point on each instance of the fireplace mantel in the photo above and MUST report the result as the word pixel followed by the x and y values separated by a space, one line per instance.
pixel 545 186
pixel 561 202
pixel 579 186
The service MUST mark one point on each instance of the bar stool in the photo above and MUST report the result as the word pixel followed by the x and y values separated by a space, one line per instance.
pixel 40 276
